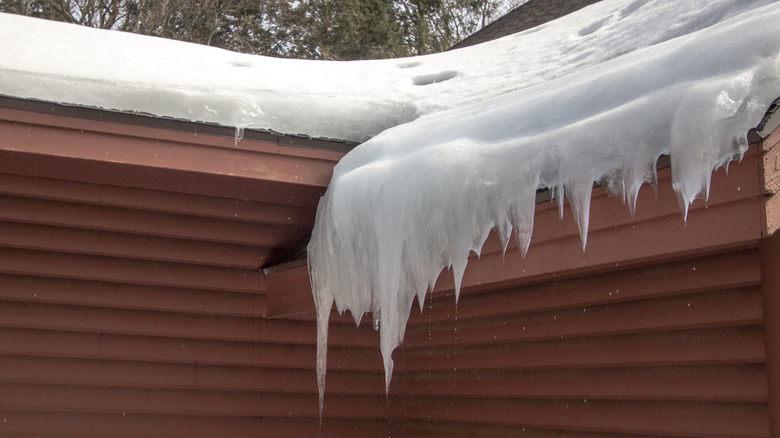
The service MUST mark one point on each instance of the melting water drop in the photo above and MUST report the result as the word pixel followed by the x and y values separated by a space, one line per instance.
pixel 239 135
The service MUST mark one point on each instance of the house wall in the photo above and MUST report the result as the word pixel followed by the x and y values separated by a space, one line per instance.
pixel 657 350
pixel 131 303
pixel 657 329
pixel 770 274
pixel 770 254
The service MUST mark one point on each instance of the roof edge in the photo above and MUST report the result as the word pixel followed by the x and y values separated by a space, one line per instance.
pixel 172 124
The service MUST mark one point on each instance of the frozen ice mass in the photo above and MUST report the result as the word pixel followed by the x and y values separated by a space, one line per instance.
pixel 454 144
pixel 652 78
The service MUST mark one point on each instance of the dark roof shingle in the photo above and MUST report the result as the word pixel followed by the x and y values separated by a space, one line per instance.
pixel 525 16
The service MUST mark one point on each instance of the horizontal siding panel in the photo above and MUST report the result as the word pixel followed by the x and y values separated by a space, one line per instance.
pixel 91 242
pixel 155 201
pixel 366 382
pixel 15 314
pixel 70 398
pixel 109 269
pixel 164 129
pixel 152 178
pixel 69 344
pixel 734 345
pixel 132 322
pixel 718 271
pixel 728 308
pixel 430 429
pixel 118 373
pixel 305 333
pixel 735 383
pixel 128 296
pixel 224 157
pixel 715 420
pixel 69 424
pixel 100 218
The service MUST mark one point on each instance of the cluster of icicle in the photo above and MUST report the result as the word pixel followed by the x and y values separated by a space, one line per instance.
pixel 420 197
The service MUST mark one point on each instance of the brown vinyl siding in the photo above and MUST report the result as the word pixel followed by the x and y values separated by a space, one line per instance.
pixel 641 352
pixel 132 303
pixel 131 297
pixel 657 329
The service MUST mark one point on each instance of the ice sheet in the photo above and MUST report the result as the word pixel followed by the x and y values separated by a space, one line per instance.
pixel 419 197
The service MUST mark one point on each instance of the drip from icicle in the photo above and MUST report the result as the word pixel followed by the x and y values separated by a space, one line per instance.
pixel 239 135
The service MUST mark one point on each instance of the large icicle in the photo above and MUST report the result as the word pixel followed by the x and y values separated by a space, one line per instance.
pixel 418 198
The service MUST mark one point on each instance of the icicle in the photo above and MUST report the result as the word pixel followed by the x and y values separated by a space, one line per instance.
pixel 419 197
pixel 324 304
pixel 579 197
pixel 503 227
pixel 458 269
pixel 523 221
pixel 239 135
pixel 559 193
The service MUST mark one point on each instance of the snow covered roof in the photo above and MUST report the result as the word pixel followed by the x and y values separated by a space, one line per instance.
pixel 530 14
pixel 457 143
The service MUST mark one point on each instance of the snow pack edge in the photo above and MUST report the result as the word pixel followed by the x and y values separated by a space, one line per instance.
pixel 419 197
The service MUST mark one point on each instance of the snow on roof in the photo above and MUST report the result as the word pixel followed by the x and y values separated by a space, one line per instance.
pixel 457 142
pixel 355 101
pixel 681 80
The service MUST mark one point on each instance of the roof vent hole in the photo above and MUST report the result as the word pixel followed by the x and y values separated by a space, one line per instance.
pixel 243 64
pixel 409 64
pixel 434 78
pixel 589 29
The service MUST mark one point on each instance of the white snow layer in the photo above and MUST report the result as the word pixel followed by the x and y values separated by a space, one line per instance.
pixel 459 141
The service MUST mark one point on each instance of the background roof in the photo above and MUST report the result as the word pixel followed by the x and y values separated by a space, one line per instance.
pixel 525 16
